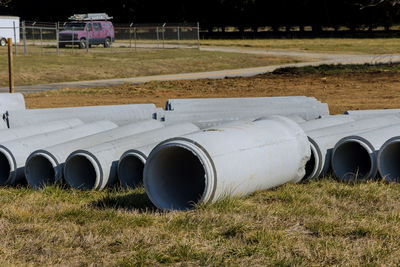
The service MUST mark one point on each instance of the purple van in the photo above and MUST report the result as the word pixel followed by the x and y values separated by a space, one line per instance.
pixel 96 31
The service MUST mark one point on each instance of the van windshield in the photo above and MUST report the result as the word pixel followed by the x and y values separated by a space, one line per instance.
pixel 75 26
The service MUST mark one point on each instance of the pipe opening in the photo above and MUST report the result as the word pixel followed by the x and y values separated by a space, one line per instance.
pixel 130 171
pixel 351 161
pixel 310 166
pixel 175 178
pixel 5 168
pixel 80 172
pixel 389 160
pixel 39 171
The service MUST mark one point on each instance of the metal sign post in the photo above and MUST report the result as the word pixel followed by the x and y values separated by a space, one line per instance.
pixel 10 65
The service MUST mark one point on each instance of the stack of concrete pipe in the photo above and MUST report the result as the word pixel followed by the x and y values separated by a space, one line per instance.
pixel 196 150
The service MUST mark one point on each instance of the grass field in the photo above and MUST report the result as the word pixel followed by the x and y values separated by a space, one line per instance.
pixel 323 222
pixel 50 68
pixel 320 223
pixel 348 45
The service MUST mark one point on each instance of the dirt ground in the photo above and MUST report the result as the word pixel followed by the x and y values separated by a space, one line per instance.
pixel 342 92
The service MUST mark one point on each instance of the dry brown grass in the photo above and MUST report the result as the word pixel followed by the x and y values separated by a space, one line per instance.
pixel 50 68
pixel 342 91
pixel 333 45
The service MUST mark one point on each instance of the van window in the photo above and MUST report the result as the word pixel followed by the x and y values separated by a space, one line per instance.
pixel 97 26
pixel 89 27
pixel 74 26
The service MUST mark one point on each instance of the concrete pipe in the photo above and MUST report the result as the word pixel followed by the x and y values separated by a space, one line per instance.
pixel 45 166
pixel 218 107
pixel 119 114
pixel 323 140
pixel 369 112
pixel 324 122
pixel 30 130
pixel 13 154
pixel 228 160
pixel 388 160
pixel 131 166
pixel 215 118
pixel 13 101
pixel 186 104
pixel 355 157
pixel 96 167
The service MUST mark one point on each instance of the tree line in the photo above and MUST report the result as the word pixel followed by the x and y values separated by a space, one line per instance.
pixel 240 14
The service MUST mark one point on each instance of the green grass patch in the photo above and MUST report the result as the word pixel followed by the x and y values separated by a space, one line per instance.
pixel 322 223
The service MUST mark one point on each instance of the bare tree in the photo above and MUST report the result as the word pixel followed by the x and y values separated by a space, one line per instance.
pixel 373 3
pixel 4 3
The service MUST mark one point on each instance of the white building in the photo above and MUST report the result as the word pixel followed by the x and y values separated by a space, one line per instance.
pixel 9 24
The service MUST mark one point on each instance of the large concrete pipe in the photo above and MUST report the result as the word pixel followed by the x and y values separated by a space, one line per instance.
pixel 186 104
pixel 119 114
pixel 218 117
pixel 389 158
pixel 131 163
pixel 13 101
pixel 355 157
pixel 228 160
pixel 372 112
pixel 21 132
pixel 323 140
pixel 13 154
pixel 45 166
pixel 131 166
pixel 218 107
pixel 96 167
pixel 324 122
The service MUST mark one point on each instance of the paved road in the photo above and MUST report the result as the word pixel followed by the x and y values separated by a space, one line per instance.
pixel 318 59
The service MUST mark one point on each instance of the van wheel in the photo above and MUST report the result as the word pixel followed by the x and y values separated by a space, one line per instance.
pixel 3 42
pixel 107 42
pixel 82 43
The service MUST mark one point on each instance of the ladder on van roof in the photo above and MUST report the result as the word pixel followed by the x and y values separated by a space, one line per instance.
pixel 90 16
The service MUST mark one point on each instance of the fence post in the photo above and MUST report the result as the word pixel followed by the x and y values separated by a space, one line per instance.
pixel 33 33
pixel 179 38
pixel 158 39
pixel 130 36
pixel 58 37
pixel 72 39
pixel 87 39
pixel 10 66
pixel 163 37
pixel 41 41
pixel 15 38
pixel 198 35
pixel 24 36
pixel 134 33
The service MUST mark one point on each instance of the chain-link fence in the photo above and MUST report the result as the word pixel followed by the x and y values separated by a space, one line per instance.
pixel 101 37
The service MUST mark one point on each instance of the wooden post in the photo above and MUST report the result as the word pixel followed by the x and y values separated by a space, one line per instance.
pixel 10 65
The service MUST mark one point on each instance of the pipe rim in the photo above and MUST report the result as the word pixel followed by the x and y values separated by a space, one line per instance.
pixel 49 157
pixel 364 143
pixel 316 151
pixel 392 141
pixel 94 162
pixel 130 153
pixel 210 173
pixel 12 176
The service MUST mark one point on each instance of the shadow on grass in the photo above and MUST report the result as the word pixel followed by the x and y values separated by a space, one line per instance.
pixel 130 200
